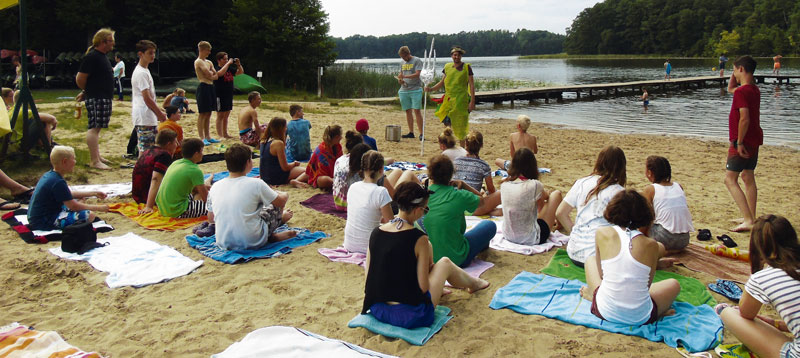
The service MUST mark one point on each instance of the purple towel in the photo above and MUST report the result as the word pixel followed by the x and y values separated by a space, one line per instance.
pixel 323 203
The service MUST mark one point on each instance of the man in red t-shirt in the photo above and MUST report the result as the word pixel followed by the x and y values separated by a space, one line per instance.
pixel 745 136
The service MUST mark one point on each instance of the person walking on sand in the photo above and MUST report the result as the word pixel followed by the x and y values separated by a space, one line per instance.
pixel 746 136
pixel 459 96
pixel 776 66
pixel 410 92
pixel 667 70
pixel 96 80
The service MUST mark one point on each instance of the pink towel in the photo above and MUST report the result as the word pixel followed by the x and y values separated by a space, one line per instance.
pixel 340 254
pixel 475 269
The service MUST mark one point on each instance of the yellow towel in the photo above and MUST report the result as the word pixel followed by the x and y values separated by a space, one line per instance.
pixel 18 341
pixel 154 220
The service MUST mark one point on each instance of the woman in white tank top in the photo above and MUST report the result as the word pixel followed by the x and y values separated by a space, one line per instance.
pixel 619 275
pixel 673 221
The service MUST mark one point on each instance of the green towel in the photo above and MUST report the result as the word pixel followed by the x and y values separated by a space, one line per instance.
pixel 692 290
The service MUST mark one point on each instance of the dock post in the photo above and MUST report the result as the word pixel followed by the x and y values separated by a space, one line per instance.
pixel 615 90
pixel 547 97
pixel 578 94
pixel 590 92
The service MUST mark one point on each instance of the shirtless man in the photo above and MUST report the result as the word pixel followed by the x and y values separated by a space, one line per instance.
pixel 249 129
pixel 519 139
pixel 206 96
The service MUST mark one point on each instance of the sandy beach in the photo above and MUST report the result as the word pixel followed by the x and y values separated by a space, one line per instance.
pixel 204 312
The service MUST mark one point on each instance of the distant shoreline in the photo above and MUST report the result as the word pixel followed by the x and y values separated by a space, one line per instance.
pixel 616 57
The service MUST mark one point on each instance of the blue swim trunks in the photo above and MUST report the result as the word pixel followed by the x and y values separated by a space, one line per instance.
pixel 410 99
pixel 67 217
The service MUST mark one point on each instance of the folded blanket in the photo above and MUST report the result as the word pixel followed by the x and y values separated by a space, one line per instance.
pixel 254 173
pixel 697 328
pixel 323 202
pixel 692 290
pixel 284 341
pixel 208 246
pixel 134 261
pixel 19 341
pixel 404 166
pixel 154 220
pixel 417 336
pixel 18 220
pixel 697 258
pixel 111 190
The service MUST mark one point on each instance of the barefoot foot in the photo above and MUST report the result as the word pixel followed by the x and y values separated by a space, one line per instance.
pixel 99 165
pixel 445 291
pixel 282 236
pixel 665 262
pixel 287 215
pixel 478 285
pixel 743 227
pixel 298 184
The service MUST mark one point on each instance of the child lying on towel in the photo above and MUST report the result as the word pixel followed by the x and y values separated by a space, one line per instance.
pixel 619 276
pixel 403 284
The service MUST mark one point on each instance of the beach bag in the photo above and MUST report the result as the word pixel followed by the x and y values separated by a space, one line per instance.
pixel 79 238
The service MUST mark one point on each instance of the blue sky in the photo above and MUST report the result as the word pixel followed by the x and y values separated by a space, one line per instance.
pixel 384 17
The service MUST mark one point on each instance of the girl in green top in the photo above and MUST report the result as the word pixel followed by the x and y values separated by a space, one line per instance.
pixel 459 96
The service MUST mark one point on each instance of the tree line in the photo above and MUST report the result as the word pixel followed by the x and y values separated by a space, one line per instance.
pixel 286 39
pixel 476 43
pixel 687 27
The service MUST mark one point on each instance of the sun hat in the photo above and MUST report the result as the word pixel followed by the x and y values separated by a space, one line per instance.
pixel 458 49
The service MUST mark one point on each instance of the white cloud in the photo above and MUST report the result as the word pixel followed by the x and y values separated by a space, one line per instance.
pixel 384 17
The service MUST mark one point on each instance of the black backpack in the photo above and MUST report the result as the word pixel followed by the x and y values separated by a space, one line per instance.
pixel 79 238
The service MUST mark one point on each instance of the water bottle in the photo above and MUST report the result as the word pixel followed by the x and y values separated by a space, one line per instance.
pixel 78 108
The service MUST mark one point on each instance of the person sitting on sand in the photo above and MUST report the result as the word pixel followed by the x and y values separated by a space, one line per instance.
pixel 19 192
pixel 53 205
pixel 274 168
pixel 298 147
pixel 445 223
pixel 471 168
pixel 619 275
pixel 49 121
pixel 403 284
pixel 529 211
pixel 590 196
pixel 249 130
pixel 519 139
pixel 151 167
pixel 319 172
pixel 183 192
pixel 673 221
pixel 447 143
pixel 173 116
pixel 178 99
pixel 369 204
pixel 775 281
pixel 244 210
pixel 362 127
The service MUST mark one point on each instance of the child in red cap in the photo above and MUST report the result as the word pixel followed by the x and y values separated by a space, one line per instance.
pixel 362 126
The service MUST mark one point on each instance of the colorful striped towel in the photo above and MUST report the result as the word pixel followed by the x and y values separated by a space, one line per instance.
pixel 417 336
pixel 697 328
pixel 208 246
pixel 17 340
pixel 405 166
pixel 154 220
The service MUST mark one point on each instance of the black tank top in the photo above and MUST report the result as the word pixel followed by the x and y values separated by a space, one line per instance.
pixel 392 273
pixel 270 167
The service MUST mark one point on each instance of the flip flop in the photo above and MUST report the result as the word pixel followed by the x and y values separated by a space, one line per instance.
pixel 727 289
pixel 704 234
pixel 24 197
pixel 727 241
pixel 732 350
pixel 9 205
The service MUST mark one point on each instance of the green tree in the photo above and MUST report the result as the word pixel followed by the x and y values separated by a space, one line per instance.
pixel 287 39
pixel 729 43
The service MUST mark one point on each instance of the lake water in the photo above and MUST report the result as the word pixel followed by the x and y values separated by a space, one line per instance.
pixel 696 112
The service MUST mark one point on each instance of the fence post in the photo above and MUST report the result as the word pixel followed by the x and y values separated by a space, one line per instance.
pixel 319 81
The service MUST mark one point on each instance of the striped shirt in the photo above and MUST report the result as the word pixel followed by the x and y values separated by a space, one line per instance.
pixel 773 286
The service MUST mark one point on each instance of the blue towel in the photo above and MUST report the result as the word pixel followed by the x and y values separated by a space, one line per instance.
pixel 208 246
pixel 417 336
pixel 696 328
pixel 222 175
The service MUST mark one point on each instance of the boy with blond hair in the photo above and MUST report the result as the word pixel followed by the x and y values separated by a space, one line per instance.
pixel 519 139
pixel 249 128
pixel 53 205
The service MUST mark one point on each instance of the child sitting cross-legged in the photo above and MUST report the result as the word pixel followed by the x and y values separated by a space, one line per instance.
pixel 246 211
pixel 183 192
pixel 150 168
pixel 518 140
pixel 403 284
pixel 53 205
pixel 619 276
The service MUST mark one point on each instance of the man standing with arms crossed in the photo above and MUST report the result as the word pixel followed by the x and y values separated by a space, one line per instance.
pixel 746 136
pixel 410 89
pixel 96 79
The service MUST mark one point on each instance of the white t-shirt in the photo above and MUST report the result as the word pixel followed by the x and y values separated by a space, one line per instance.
pixel 119 69
pixel 236 204
pixel 589 217
pixel 454 153
pixel 140 81
pixel 519 211
pixel 364 203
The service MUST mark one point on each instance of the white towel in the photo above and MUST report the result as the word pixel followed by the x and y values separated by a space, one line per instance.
pixel 111 190
pixel 556 239
pixel 281 341
pixel 23 219
pixel 132 260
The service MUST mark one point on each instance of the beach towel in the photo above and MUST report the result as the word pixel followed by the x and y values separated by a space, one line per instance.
pixel 111 190
pixel 254 173
pixel 499 242
pixel 18 220
pixel 132 260
pixel 417 336
pixel 323 202
pixel 208 246
pixel 697 258
pixel 503 173
pixel 281 341
pixel 154 220
pixel 404 166
pixel 692 290
pixel 17 340
pixel 697 328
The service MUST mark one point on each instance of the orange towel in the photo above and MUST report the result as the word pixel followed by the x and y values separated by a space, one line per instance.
pixel 18 341
pixel 154 220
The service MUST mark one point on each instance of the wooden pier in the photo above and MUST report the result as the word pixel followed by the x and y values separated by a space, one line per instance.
pixel 598 89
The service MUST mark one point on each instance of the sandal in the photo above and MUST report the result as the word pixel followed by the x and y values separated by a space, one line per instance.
pixel 24 197
pixel 704 234
pixel 9 205
pixel 727 241
pixel 726 288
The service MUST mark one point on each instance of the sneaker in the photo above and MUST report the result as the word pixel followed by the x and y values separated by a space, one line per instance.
pixel 206 142
pixel 189 111
pixel 420 138
pixel 206 231
pixel 212 140
pixel 409 135
pixel 130 156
